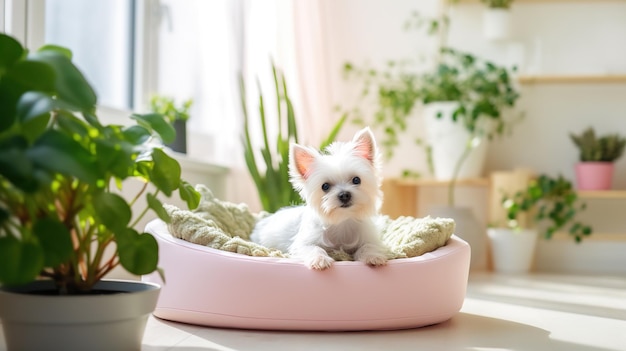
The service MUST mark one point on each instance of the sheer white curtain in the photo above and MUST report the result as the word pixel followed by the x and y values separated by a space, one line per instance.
pixel 205 45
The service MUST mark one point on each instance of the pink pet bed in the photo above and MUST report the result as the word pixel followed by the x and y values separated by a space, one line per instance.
pixel 215 288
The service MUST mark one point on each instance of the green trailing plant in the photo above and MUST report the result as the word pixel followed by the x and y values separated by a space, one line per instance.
pixel 167 106
pixel 607 148
pixel 482 89
pixel 498 4
pixel 61 173
pixel 271 173
pixel 552 201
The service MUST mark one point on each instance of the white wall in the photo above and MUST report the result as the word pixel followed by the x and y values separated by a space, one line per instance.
pixel 561 37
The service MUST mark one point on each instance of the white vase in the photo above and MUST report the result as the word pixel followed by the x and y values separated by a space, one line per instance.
pixel 469 229
pixel 107 321
pixel 448 141
pixel 512 250
pixel 497 23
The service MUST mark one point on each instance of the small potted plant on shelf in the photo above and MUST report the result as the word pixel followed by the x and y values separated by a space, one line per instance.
pixel 177 116
pixel 66 211
pixel 546 200
pixel 597 156
pixel 497 19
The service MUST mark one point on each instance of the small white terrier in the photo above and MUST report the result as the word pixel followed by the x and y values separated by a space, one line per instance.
pixel 341 188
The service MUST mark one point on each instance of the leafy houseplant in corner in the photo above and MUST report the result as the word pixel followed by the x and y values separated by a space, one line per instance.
pixel 549 201
pixel 597 156
pixel 63 224
pixel 177 116
pixel 497 19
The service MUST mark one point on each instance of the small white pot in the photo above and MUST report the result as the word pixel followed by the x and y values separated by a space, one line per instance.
pixel 109 321
pixel 497 23
pixel 448 140
pixel 512 250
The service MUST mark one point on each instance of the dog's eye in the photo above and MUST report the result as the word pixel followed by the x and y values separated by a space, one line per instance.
pixel 356 180
pixel 325 186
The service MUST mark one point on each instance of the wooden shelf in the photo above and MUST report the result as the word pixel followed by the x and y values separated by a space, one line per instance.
pixel 572 79
pixel 480 182
pixel 596 237
pixel 606 194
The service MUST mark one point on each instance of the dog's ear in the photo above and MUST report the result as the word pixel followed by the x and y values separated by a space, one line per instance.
pixel 301 160
pixel 365 144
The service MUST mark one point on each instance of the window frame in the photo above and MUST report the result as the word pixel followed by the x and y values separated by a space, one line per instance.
pixel 25 20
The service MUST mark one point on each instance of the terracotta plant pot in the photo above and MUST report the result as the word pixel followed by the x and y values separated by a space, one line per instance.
pixel 594 175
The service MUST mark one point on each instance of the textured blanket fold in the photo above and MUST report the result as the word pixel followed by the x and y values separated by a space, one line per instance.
pixel 227 226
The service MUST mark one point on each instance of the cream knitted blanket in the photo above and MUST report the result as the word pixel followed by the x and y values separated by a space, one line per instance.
pixel 227 226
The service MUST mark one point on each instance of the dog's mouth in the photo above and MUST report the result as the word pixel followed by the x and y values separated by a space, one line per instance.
pixel 346 205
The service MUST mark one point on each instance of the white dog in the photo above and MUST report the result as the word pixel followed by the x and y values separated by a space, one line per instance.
pixel 341 187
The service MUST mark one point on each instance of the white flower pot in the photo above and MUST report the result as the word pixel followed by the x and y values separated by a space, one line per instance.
pixel 497 23
pixel 512 250
pixel 108 321
pixel 448 140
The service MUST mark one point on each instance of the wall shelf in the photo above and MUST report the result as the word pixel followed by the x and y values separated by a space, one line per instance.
pixel 429 182
pixel 572 79
pixel 607 194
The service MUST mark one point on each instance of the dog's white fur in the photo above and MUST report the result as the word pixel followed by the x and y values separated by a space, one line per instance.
pixel 331 219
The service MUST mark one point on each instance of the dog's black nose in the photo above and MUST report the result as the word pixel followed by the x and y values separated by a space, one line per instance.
pixel 345 197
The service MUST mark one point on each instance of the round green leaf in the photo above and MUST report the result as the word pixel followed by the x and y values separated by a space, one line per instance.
pixel 136 135
pixel 57 152
pixel 139 253
pixel 165 174
pixel 157 206
pixel 11 51
pixel 59 49
pixel 112 211
pixel 20 262
pixel 70 84
pixel 189 195
pixel 157 123
pixel 33 104
pixel 55 240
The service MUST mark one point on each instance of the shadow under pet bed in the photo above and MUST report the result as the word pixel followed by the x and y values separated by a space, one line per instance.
pixel 212 287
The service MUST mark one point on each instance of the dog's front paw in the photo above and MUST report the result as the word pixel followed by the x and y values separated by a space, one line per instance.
pixel 319 262
pixel 375 261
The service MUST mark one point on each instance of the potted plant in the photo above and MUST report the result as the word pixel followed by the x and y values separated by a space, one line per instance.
pixel 497 19
pixel 273 186
pixel 550 201
pixel 176 115
pixel 597 156
pixel 63 221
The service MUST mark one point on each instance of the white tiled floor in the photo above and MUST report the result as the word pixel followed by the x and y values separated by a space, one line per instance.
pixel 530 312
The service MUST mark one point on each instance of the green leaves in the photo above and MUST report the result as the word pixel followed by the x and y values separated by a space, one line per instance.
pixel 166 172
pixel 138 252
pixel 57 152
pixel 555 202
pixel 155 122
pixel 54 240
pixel 70 84
pixel 20 262
pixel 11 51
pixel 112 211
pixel 57 166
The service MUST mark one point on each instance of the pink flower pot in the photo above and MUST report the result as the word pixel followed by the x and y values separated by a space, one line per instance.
pixel 594 175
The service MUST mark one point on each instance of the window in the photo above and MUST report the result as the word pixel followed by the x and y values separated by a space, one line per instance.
pixel 100 34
